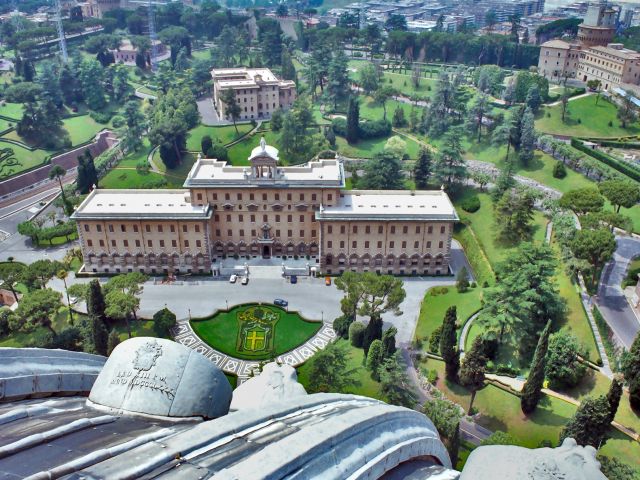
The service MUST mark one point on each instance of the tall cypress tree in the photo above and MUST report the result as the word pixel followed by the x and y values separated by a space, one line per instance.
pixel 448 344
pixel 472 370
pixel 389 342
pixel 422 169
pixel 532 389
pixel 81 179
pixel 590 423
pixel 631 370
pixel 372 332
pixel 613 397
pixel 95 301
pixel 99 335
pixel 353 119
pixel 90 168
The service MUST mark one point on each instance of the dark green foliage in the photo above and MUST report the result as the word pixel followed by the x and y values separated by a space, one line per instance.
pixel 374 359
pixel 277 118
pixel 329 372
pixel 95 300
pixel 434 340
pixel 389 342
pixel 113 341
pixel 621 193
pixel 382 172
pixel 473 368
pixel 368 129
pixel 422 169
pixel 590 423
pixel 449 344
pixel 353 120
pixel 614 468
pixel 163 321
pixel 99 335
pixel 398 118
pixel 626 168
pixel 563 366
pixel 613 397
pixel 205 144
pixel 218 152
pixel 559 170
pixel 356 334
pixel 499 438
pixel 595 246
pixel 395 386
pixel 532 390
pixel 341 326
pixel 631 370
pixel 471 204
pixel 445 415
pixel 373 331
pixel 462 280
pixel 582 200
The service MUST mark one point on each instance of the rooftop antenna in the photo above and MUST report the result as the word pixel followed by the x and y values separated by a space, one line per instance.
pixel 152 36
pixel 61 39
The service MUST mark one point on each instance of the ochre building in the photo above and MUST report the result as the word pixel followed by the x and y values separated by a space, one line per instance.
pixel 270 211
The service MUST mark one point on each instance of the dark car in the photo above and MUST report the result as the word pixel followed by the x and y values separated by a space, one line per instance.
pixel 280 302
pixel 294 279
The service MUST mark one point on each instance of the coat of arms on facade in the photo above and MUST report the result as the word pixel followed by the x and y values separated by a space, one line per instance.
pixel 256 329
pixel 147 355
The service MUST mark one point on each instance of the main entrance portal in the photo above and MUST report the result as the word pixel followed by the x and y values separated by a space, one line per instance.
pixel 266 251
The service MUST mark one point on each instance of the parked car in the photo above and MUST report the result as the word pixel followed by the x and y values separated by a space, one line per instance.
pixel 327 281
pixel 233 278
pixel 244 280
pixel 280 302
pixel 294 279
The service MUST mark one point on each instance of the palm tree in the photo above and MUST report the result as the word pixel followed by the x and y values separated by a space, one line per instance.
pixel 62 275
pixel 58 172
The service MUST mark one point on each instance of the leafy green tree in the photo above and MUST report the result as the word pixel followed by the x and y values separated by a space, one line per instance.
pixel 594 246
pixel 136 125
pixel 288 69
pixel 369 78
pixel 614 468
pixel 582 200
pixel 57 172
pixel 477 114
pixel 121 306
pixel 621 193
pixel 375 358
pixel 353 120
pixel 590 423
pixel 92 84
pixel 422 168
pixel 295 139
pixel 389 342
pixel 382 95
pixel 28 229
pixel 270 39
pixel 473 368
pixel 38 308
pixel 450 168
pixel 563 366
pixel 398 120
pixel 445 415
pixel 113 341
pixel 613 397
pixel 533 98
pixel 163 321
pixel 372 332
pixel 631 370
pixel 329 370
pixel 527 137
pixel 95 301
pixel 532 390
pixel 499 438
pixel 10 274
pixel 515 213
pixel 356 334
pixel 449 344
pixel 182 61
pixel 99 335
pixel 205 144
pixel 395 385
pixel 40 272
pixel 501 136
pixel 338 78
pixel 627 109
pixel 120 84
pixel 382 293
pixel 382 172
pixel 48 78
pixel 276 120
pixel 341 326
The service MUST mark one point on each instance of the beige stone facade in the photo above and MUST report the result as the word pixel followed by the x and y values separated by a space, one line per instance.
pixel 613 65
pixel 97 8
pixel 558 60
pixel 258 91
pixel 266 211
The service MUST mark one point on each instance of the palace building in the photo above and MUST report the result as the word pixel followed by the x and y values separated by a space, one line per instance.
pixel 266 210
pixel 258 92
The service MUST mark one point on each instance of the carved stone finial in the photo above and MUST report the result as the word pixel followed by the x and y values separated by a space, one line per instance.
pixel 263 144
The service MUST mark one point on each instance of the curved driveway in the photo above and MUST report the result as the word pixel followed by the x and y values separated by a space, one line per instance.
pixel 611 300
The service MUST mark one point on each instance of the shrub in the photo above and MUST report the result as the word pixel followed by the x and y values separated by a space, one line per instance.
pixel 118 121
pixel 100 117
pixel 434 340
pixel 502 369
pixel 206 144
pixel 374 129
pixel 356 334
pixel 327 154
pixel 341 326
pixel 471 204
pixel 559 170
pixel 219 152
pixel 432 376
pixel 143 167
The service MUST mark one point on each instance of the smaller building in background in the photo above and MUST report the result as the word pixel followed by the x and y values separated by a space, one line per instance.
pixel 97 8
pixel 258 91
pixel 127 52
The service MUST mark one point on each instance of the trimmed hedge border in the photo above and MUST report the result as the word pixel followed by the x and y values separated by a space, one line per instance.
pixel 618 165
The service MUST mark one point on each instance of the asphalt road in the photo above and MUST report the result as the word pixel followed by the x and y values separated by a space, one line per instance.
pixel 611 300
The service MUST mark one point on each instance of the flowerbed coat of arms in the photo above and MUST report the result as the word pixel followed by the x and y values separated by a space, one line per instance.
pixel 256 328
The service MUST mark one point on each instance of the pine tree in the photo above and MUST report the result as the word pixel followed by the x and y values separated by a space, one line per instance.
pixel 450 167
pixel 590 423
pixel 462 280
pixel 81 178
pixel 472 369
pixel 395 386
pixel 353 120
pixel 113 341
pixel 631 370
pixel 374 359
pixel 95 300
pixel 531 392
pixel 372 332
pixel 288 69
pixel 449 344
pixel 613 397
pixel 527 137
pixel 389 342
pixel 99 335
pixel 422 169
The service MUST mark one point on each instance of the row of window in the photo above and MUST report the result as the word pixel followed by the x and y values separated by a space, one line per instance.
pixel 125 243
pixel 367 229
pixel 147 228
pixel 265 218
pixel 354 244
pixel 253 233
pixel 227 196
pixel 378 261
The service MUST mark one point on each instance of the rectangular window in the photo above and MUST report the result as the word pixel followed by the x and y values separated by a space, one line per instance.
pixel 289 233
pixel 86 227
pixel 135 228
pixel 172 228
pixel 174 244
pixel 442 229
pixel 329 244
pixel 341 243
pixel 380 244
pixel 99 228
pixel 313 233
pixel 405 229
pixel 184 229
pixel 161 243
pixel 251 196
pixel 89 243
pixel 277 218
pixel 313 197
pixel 380 229
pixel 265 218
pixel 242 232
pixel 430 229
pixel 366 244
pixel 217 232
pixel 367 229
pixel 125 243
pixel 416 245
pixel 355 229
pixel 404 244
pixel 101 243
pixel 440 244
pixel 302 218
pixel 216 218
pixel 240 218
pixel 110 228
pixel 215 196
pixel 289 218
pixel 239 196
pixel 393 229
pixel 264 197
pixel 199 196
pixel 391 243
pixel 354 244
pixel 253 233
pixel 159 228
pixel 428 244
pixel 253 218
pixel 330 197
pixel 277 196
pixel 289 196
pixel 417 229
pixel 198 243
pixel 149 243
pixel 302 196
pixel 226 196
pixel 123 228
pixel 329 229
pixel 229 218
pixel 138 243
pixel 277 233
pixel 229 234
pixel 301 233
pixel 343 229
pixel 147 228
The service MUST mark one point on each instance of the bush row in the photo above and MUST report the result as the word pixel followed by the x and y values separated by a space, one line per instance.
pixel 371 129
pixel 622 167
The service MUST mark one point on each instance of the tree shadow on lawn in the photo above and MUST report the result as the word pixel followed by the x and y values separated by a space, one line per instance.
pixel 544 414
pixel 586 385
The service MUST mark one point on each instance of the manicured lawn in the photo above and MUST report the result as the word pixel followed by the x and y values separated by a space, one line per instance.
pixel 82 129
pixel 435 305
pixel 372 110
pixel 484 226
pixel 239 153
pixel 11 110
pixel 178 174
pixel 204 54
pixel 368 148
pixel 56 241
pixel 122 178
pixel 223 135
pixel 140 328
pixel 26 158
pixel 6 124
pixel 475 254
pixel 404 84
pixel 133 158
pixel 368 387
pixel 222 331
pixel 594 120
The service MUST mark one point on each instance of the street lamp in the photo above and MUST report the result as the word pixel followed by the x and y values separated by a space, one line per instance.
pixel 189 314
pixel 322 315
pixel 227 302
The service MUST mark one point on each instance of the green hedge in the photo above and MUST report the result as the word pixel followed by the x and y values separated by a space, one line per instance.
pixel 622 167
pixel 618 144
